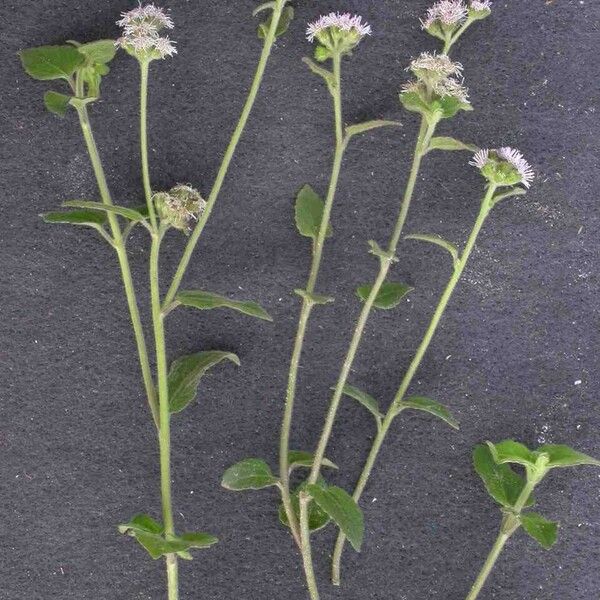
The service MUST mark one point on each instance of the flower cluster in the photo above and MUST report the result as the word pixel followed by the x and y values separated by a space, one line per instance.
pixel 337 33
pixel 179 206
pixel 504 166
pixel 445 17
pixel 141 33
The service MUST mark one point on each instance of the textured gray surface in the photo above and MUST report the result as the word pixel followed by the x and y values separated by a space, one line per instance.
pixel 517 354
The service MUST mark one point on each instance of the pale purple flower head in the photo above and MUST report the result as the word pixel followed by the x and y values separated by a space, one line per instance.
pixel 141 27
pixel 481 5
pixel 343 22
pixel 446 12
pixel 512 156
pixel 437 64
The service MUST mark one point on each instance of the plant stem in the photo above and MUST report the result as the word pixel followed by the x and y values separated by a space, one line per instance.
pixel 237 134
pixel 164 437
pixel 396 406
pixel 144 67
pixel 489 565
pixel 425 133
pixel 119 245
pixel 307 303
pixel 311 582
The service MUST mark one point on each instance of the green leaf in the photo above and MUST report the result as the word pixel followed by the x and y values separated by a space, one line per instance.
pixel 326 74
pixel 501 482
pixel 309 213
pixel 207 300
pixel 414 103
pixel 142 523
pixel 249 474
pixel 299 458
pixel 450 106
pixel 516 191
pixel 99 52
pixel 510 451
pixel 264 6
pixel 343 509
pixel 317 517
pixel 91 218
pixel 314 298
pixel 359 128
pixel 198 539
pixel 564 456
pixel 286 18
pixel 56 103
pixel 122 211
pixel 365 399
pixel 430 406
pixel 540 529
pixel 185 375
pixel 438 241
pixel 51 62
pixel 449 143
pixel 390 294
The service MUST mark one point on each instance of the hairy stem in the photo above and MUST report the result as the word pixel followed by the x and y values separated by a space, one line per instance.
pixel 307 303
pixel 119 245
pixel 396 406
pixel 235 138
pixel 311 582
pixel 425 133
pixel 144 67
pixel 489 565
pixel 164 437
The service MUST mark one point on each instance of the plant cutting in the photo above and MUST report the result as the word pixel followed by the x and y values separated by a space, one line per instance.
pixel 514 493
pixel 82 67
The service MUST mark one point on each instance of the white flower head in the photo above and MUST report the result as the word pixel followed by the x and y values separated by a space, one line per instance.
pixel 447 13
pixel 481 5
pixel 437 65
pixel 180 206
pixel 504 166
pixel 141 33
pixel 343 22
pixel 450 87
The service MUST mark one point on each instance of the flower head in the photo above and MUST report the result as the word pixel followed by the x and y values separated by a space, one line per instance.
pixel 481 5
pixel 141 33
pixel 179 207
pixel 445 13
pixel 337 33
pixel 434 67
pixel 505 166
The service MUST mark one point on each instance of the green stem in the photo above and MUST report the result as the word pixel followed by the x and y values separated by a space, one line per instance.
pixel 237 134
pixel 396 406
pixel 307 303
pixel 489 565
pixel 164 437
pixel 450 41
pixel 119 245
pixel 425 133
pixel 311 582
pixel 144 68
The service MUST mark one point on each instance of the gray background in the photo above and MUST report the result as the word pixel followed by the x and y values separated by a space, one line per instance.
pixel 517 354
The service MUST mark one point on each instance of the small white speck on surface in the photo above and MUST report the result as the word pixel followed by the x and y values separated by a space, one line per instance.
pixel 578 382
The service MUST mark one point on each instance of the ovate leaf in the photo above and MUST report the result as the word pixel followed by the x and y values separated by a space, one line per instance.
pixel 122 211
pixel 249 474
pixel 501 482
pixel 284 22
pixel 185 375
pixel 510 451
pixel 430 406
pixel 389 295
pixel 208 300
pixel 448 143
pixel 51 62
pixel 343 509
pixel 100 51
pixel 365 399
pixel 309 213
pixel 564 456
pixel 299 458
pixel 317 517
pixel 540 529
pixel 57 103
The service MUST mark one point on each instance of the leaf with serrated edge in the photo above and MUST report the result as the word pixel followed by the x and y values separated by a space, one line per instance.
pixel 540 529
pixel 438 241
pixel 363 398
pixel 343 509
pixel 51 62
pixel 389 296
pixel 208 300
pixel 309 213
pixel 501 482
pixel 185 374
pixel 100 51
pixel 249 474
pixel 564 456
pixel 57 103
pixel 299 458
pixel 432 407
pixel 510 451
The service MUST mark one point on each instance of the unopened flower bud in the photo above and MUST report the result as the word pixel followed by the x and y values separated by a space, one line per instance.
pixel 504 167
pixel 336 33
pixel 179 207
